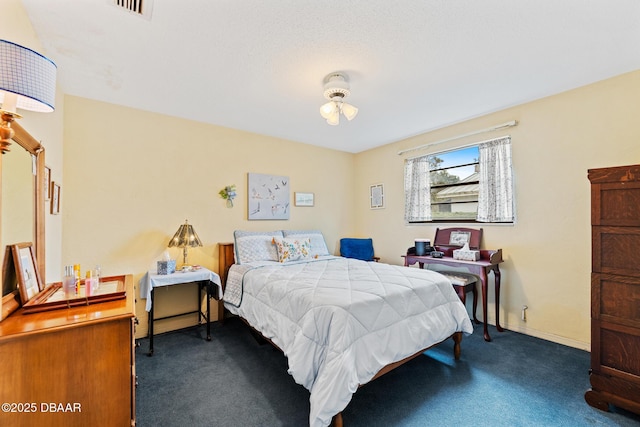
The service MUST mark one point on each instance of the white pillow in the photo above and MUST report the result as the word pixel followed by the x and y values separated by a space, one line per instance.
pixel 292 249
pixel 318 245
pixel 255 246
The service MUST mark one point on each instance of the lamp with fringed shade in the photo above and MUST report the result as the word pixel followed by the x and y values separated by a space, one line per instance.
pixel 185 238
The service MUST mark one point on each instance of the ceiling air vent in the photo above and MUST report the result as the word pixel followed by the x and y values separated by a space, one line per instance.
pixel 138 7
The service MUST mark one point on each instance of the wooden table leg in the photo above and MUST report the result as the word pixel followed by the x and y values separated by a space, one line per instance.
pixel 496 273
pixel 475 304
pixel 337 420
pixel 483 280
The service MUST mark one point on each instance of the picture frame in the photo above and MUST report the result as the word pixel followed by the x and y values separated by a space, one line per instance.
pixel 459 238
pixel 47 183
pixel 303 199
pixel 376 196
pixel 55 198
pixel 24 260
pixel 269 197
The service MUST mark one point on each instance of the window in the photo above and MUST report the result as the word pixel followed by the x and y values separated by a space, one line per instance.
pixel 454 184
pixel 464 185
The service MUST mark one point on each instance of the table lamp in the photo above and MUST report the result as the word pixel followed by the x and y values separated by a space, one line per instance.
pixel 185 238
pixel 27 81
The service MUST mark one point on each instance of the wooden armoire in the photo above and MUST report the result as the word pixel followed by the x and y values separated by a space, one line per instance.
pixel 615 288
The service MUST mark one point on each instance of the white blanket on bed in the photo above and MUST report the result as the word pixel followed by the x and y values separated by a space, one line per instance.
pixel 340 320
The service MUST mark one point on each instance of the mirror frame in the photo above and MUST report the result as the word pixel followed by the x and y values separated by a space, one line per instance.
pixel 29 143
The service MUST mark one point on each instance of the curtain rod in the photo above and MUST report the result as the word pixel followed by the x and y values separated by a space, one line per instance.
pixel 496 127
pixel 460 147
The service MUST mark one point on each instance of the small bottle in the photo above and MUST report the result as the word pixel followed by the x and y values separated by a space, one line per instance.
pixel 88 284
pixel 69 282
pixel 96 276
pixel 76 273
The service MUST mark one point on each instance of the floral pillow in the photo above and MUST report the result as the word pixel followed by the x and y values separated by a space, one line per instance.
pixel 318 245
pixel 292 249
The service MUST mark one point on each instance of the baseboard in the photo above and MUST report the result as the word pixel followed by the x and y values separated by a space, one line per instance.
pixel 551 337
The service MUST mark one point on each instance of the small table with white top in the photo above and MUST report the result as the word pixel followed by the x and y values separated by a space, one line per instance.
pixel 206 280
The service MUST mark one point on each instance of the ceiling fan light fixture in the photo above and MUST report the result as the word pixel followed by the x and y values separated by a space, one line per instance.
pixel 336 89
pixel 336 85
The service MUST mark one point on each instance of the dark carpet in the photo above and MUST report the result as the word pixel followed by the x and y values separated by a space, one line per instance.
pixel 515 380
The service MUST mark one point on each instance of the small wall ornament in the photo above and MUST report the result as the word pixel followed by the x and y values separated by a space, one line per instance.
pixel 228 193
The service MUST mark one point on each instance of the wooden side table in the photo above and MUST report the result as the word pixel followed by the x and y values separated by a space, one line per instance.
pixel 489 261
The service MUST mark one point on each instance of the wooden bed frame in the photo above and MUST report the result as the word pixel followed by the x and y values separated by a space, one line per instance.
pixel 226 260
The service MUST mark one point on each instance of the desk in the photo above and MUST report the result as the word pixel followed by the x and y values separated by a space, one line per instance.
pixel 489 261
pixel 206 279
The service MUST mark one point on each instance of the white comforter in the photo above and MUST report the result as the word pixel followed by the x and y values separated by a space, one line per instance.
pixel 340 320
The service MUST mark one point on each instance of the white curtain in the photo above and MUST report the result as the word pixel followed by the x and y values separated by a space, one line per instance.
pixel 417 193
pixel 495 196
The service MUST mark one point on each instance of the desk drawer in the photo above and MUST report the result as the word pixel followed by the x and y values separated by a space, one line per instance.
pixel 615 299
pixel 615 249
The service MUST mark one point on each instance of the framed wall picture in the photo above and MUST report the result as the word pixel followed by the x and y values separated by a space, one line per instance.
pixel 376 196
pixel 55 198
pixel 268 196
pixel 303 199
pixel 24 260
pixel 459 238
pixel 47 183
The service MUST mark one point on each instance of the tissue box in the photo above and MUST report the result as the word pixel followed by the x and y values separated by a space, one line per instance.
pixel 466 255
pixel 167 267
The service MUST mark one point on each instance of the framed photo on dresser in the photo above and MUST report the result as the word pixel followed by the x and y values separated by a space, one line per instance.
pixel 24 261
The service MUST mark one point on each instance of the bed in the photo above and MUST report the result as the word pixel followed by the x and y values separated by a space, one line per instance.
pixel 340 322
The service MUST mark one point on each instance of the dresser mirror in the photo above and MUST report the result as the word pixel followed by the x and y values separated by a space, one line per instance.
pixel 22 211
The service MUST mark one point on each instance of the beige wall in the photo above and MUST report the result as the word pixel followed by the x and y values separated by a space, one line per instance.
pixel 547 251
pixel 132 177
pixel 47 128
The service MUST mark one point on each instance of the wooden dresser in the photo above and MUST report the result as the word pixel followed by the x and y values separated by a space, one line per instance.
pixel 70 367
pixel 615 288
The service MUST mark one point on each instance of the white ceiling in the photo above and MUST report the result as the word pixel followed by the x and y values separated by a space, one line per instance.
pixel 259 65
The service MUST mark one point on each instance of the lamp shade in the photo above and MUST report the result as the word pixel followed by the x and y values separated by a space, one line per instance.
pixel 328 109
pixel 349 111
pixel 185 237
pixel 334 118
pixel 27 79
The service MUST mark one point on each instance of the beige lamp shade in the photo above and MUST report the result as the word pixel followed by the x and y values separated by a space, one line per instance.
pixel 27 81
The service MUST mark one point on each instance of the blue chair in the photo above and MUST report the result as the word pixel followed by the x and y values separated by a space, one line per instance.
pixel 358 249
